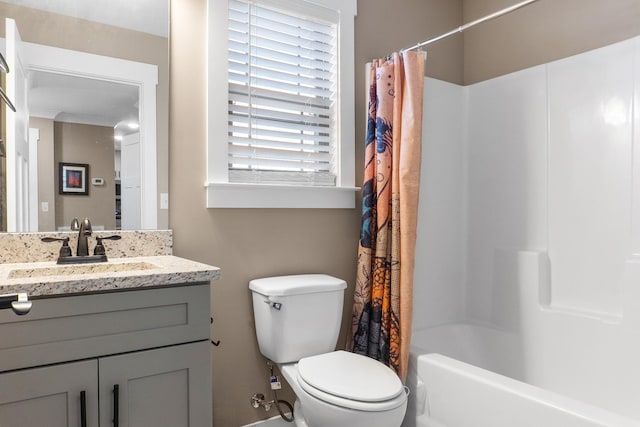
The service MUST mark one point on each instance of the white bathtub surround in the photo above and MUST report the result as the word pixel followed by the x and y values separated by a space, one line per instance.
pixel 477 374
pixel 547 220
pixel 489 400
pixel 439 291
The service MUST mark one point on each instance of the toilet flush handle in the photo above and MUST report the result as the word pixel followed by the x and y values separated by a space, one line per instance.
pixel 273 304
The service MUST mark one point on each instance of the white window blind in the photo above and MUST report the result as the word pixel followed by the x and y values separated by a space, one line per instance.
pixel 282 96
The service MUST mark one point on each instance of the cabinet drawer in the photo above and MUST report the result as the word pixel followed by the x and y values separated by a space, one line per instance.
pixel 84 326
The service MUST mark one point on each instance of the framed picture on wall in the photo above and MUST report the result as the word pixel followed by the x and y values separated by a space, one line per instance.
pixel 73 178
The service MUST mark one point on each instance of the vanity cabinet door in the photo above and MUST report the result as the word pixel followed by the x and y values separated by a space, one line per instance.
pixel 165 387
pixel 53 396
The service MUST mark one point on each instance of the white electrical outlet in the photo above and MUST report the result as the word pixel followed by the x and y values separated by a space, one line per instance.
pixel 164 200
pixel 44 206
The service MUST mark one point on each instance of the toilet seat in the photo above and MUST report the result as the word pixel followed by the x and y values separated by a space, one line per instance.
pixel 351 381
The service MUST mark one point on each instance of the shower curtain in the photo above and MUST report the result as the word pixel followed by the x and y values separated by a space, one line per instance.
pixel 383 299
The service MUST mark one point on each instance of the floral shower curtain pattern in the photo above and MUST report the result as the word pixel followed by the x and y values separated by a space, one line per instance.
pixel 383 300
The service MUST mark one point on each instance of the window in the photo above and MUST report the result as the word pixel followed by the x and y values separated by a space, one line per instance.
pixel 282 96
pixel 283 134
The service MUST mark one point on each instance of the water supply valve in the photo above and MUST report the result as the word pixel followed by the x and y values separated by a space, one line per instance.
pixel 258 400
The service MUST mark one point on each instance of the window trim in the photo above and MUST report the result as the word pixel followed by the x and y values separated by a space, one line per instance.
pixel 223 194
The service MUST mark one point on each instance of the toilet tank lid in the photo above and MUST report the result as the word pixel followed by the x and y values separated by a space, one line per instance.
pixel 296 284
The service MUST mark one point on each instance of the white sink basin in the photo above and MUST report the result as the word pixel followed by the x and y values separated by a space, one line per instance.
pixel 68 270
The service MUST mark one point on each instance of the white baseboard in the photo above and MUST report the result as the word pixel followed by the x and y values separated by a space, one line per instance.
pixel 276 421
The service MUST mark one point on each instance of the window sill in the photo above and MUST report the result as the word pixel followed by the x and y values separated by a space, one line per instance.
pixel 235 195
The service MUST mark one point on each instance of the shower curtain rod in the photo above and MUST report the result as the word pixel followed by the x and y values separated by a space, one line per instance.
pixel 472 24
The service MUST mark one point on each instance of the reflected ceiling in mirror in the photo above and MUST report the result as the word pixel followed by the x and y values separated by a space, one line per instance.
pixel 68 98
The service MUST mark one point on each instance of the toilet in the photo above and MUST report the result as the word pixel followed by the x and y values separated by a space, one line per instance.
pixel 297 322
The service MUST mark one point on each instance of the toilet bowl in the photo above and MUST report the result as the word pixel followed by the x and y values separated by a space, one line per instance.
pixel 345 389
pixel 297 322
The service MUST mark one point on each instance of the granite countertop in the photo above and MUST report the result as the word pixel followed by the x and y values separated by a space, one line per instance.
pixel 46 278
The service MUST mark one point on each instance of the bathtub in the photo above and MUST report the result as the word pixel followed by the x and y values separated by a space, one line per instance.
pixel 466 375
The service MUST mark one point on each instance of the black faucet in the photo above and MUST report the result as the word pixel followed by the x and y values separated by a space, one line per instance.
pixel 84 230
pixel 82 252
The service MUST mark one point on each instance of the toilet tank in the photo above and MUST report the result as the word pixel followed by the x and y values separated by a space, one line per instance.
pixel 297 316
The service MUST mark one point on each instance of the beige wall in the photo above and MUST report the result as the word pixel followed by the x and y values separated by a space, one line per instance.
pixel 92 145
pixel 542 32
pixel 46 173
pixel 382 28
pixel 252 243
pixel 50 29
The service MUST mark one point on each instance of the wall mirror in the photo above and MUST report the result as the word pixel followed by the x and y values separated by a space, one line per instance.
pixel 95 93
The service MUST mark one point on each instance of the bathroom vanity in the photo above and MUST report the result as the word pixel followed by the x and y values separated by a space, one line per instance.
pixel 124 343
